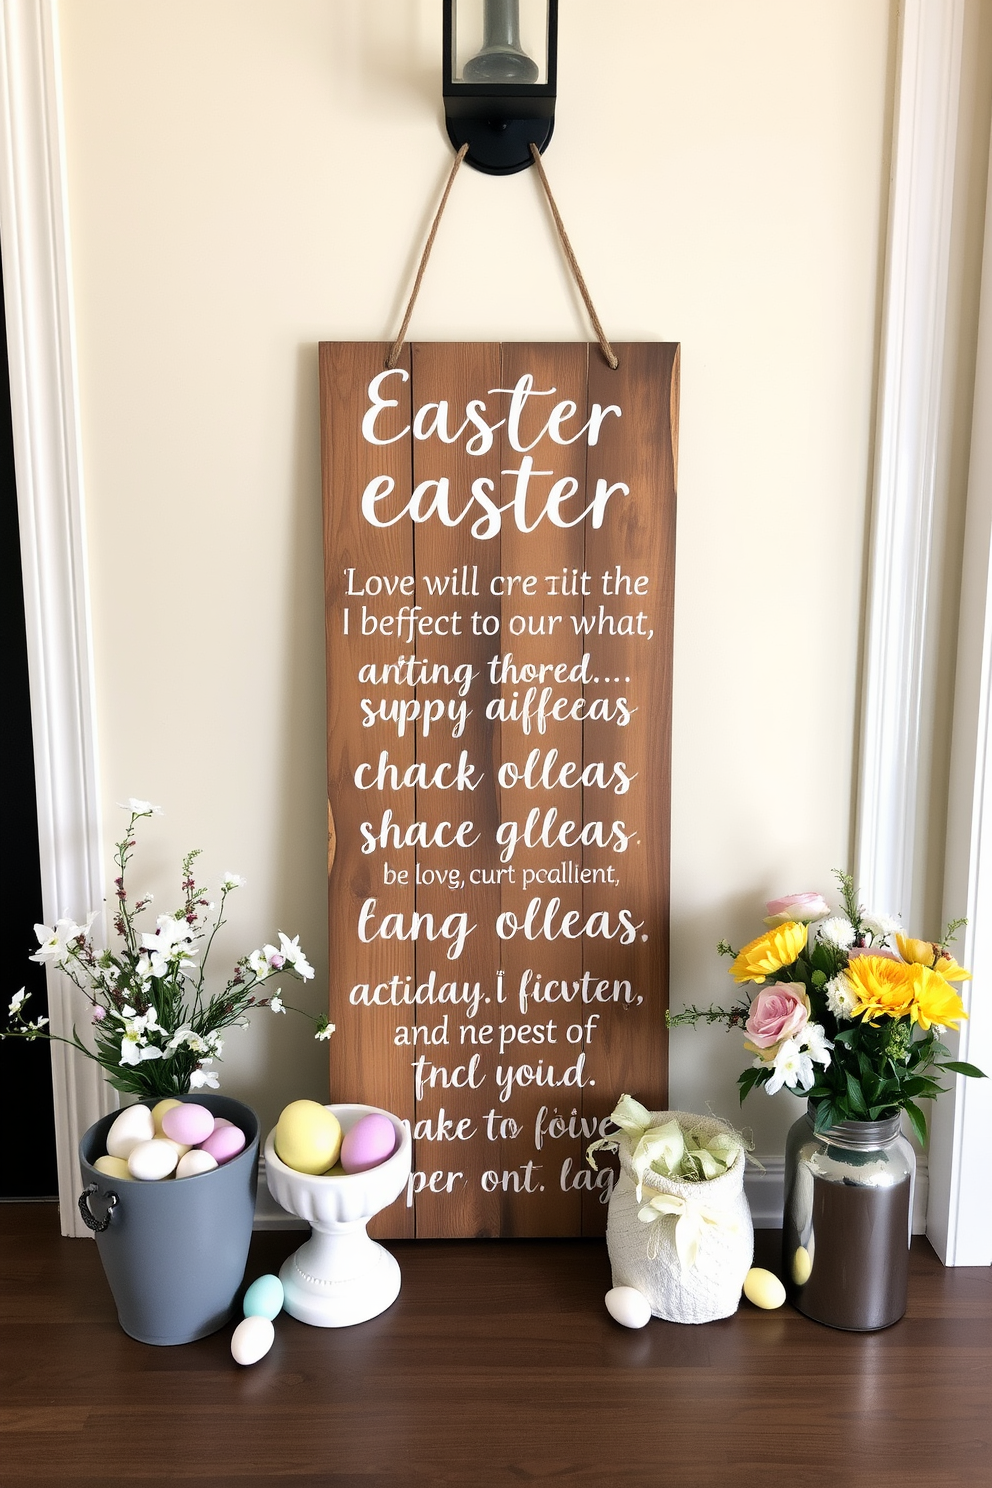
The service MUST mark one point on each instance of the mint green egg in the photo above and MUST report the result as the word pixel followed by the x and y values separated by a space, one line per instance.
pixel 264 1298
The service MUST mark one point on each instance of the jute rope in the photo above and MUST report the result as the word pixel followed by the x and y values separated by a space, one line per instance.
pixel 573 263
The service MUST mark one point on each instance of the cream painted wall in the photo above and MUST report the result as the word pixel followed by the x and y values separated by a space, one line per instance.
pixel 247 177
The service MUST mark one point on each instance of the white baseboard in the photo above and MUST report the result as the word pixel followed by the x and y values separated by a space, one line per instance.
pixel 765 1193
pixel 764 1189
pixel 268 1214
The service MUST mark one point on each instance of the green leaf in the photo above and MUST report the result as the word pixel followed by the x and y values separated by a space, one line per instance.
pixel 819 978
pixel 960 1068
pixel 917 1121
pixel 855 1096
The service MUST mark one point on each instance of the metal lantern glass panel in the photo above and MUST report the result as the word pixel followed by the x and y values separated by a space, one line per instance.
pixel 500 66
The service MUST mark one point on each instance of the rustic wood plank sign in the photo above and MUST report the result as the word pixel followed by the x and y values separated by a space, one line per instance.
pixel 499 556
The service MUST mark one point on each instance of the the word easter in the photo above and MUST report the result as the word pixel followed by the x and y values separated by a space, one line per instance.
pixel 432 418
pixel 432 498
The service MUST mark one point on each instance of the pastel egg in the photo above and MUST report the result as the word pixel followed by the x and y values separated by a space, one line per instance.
pixel 308 1137
pixel 188 1123
pixel 369 1142
pixel 159 1111
pixel 224 1143
pixel 194 1163
pixel 252 1339
pixel 763 1289
pixel 181 1147
pixel 221 1121
pixel 152 1160
pixel 628 1306
pixel 802 1266
pixel 133 1125
pixel 113 1167
pixel 264 1298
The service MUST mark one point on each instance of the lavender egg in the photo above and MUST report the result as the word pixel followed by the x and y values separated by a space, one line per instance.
pixel 188 1123
pixel 369 1142
pixel 224 1143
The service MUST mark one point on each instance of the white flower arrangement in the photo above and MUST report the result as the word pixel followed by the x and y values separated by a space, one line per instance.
pixel 156 1029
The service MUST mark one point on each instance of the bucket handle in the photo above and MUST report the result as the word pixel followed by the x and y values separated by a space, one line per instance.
pixel 89 1219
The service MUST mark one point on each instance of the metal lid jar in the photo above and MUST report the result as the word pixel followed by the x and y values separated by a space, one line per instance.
pixel 847 1222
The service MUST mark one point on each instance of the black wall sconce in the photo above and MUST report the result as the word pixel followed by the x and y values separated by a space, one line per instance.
pixel 500 80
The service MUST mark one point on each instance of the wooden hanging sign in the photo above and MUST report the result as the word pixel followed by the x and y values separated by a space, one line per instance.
pixel 499 554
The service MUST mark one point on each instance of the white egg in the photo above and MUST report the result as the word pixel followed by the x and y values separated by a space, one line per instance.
pixel 628 1306
pixel 195 1162
pixel 252 1339
pixel 152 1160
pixel 133 1125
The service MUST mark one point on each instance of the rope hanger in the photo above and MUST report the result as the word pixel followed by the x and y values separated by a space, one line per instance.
pixel 573 263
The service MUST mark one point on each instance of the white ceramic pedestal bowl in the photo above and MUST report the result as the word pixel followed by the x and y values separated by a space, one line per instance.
pixel 340 1276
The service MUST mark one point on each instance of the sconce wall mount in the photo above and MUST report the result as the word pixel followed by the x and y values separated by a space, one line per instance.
pixel 500 80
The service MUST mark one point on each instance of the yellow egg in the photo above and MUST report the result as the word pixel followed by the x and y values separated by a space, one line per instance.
pixel 763 1289
pixel 181 1147
pixel 113 1167
pixel 308 1137
pixel 159 1111
pixel 802 1266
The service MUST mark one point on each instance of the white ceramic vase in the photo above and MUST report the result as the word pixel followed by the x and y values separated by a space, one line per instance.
pixel 340 1276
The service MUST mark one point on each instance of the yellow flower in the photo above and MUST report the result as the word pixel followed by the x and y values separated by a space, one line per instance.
pixel 917 952
pixel 937 1002
pixel 926 953
pixel 892 989
pixel 769 953
pixel 949 969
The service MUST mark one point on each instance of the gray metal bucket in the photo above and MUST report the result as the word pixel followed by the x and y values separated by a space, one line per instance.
pixel 174 1252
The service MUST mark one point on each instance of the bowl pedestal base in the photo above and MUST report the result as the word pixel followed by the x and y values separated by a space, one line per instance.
pixel 339 1277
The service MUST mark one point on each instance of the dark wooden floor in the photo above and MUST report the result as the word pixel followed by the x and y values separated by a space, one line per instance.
pixel 497 1365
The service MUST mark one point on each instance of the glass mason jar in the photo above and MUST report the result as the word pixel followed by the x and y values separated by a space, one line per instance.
pixel 847 1222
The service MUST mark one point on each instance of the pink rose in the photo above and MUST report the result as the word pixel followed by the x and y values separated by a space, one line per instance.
pixel 855 951
pixel 801 908
pixel 780 1011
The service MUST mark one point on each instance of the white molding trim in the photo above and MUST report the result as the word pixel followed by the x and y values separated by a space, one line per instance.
pixel 268 1214
pixel 894 748
pixel 960 1224
pixel 44 406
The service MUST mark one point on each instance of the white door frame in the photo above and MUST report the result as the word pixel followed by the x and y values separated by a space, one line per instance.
pixel 35 240
pixel 908 502
pixel 44 406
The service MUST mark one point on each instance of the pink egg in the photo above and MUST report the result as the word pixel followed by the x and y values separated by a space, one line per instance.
pixel 369 1142
pixel 189 1123
pixel 221 1121
pixel 224 1143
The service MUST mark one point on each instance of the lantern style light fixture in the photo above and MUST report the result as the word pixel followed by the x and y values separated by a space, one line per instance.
pixel 500 80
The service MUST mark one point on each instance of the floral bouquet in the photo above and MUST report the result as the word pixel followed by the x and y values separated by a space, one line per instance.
pixel 849 1011
pixel 156 1029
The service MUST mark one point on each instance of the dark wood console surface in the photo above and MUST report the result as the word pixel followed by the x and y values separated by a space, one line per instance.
pixel 498 1365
